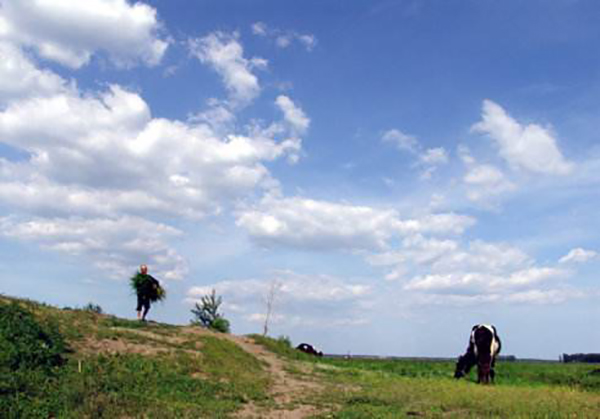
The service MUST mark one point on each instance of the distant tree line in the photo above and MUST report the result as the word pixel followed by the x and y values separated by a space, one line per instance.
pixel 592 358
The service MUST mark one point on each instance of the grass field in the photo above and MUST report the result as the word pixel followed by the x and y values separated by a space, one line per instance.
pixel 111 367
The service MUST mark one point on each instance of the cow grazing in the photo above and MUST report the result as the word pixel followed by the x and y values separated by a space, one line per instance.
pixel 309 349
pixel 484 347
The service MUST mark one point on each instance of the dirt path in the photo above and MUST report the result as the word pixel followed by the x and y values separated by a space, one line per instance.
pixel 288 390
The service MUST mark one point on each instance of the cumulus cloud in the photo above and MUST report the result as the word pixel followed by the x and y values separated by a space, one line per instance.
pixel 110 143
pixel 300 299
pixel 306 223
pixel 578 255
pixel 70 31
pixel 527 147
pixel 284 39
pixel 20 78
pixel 439 270
pixel 484 182
pixel 428 160
pixel 114 245
pixel 225 54
pixel 104 157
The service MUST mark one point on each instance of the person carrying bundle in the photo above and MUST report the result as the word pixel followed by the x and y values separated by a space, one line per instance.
pixel 148 291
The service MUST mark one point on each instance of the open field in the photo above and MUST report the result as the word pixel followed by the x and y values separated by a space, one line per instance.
pixel 121 368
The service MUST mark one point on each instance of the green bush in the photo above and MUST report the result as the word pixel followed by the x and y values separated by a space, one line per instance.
pixel 27 344
pixel 285 340
pixel 207 313
pixel 30 356
pixel 220 324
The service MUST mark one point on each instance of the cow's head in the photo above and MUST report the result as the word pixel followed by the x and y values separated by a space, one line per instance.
pixel 462 367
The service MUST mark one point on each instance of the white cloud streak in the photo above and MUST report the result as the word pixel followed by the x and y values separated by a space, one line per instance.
pixel 579 255
pixel 225 54
pixel 283 39
pixel 293 114
pixel 428 160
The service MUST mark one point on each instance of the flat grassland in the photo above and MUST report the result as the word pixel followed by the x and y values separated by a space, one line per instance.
pixel 120 368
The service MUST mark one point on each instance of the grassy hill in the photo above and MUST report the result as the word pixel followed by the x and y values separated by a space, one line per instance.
pixel 76 363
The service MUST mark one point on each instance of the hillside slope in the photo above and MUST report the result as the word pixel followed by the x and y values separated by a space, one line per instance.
pixel 122 368
pixel 116 368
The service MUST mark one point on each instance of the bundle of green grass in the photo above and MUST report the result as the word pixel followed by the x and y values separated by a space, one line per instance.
pixel 147 286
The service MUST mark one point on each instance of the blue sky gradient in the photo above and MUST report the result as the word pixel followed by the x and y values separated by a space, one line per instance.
pixel 396 171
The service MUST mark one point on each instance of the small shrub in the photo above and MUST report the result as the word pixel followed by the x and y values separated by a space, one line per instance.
pixel 285 340
pixel 93 308
pixel 220 324
pixel 207 313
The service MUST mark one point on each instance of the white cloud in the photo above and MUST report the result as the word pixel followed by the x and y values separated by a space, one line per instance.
pixel 115 246
pixel 299 300
pixel 307 223
pixel 484 182
pixel 531 147
pixel 538 297
pixel 434 156
pixel 401 140
pixel 71 31
pixel 293 114
pixel 19 77
pixel 309 41
pixel 259 28
pixel 283 39
pixel 113 147
pixel 551 296
pixel 484 175
pixel 481 282
pixel 226 55
pixel 427 160
pixel 579 255
pixel 449 271
pixel 100 161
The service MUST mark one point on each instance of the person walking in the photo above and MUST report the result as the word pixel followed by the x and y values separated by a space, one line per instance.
pixel 148 290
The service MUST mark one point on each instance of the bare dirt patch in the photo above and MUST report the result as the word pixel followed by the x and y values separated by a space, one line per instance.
pixel 117 346
pixel 289 392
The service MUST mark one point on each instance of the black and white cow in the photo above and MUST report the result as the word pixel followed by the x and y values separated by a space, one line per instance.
pixel 309 349
pixel 484 347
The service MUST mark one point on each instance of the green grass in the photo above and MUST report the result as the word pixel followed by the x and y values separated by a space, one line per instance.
pixel 203 375
pixel 195 376
pixel 381 395
pixel 363 388
pixel 282 348
pixel 528 374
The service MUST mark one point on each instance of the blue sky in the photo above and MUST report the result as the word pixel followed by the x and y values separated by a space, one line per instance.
pixel 396 171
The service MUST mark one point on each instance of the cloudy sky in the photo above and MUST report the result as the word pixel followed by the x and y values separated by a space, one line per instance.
pixel 394 171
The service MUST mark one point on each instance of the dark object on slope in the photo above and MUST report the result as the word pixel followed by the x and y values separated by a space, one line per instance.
pixel 484 347
pixel 309 349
